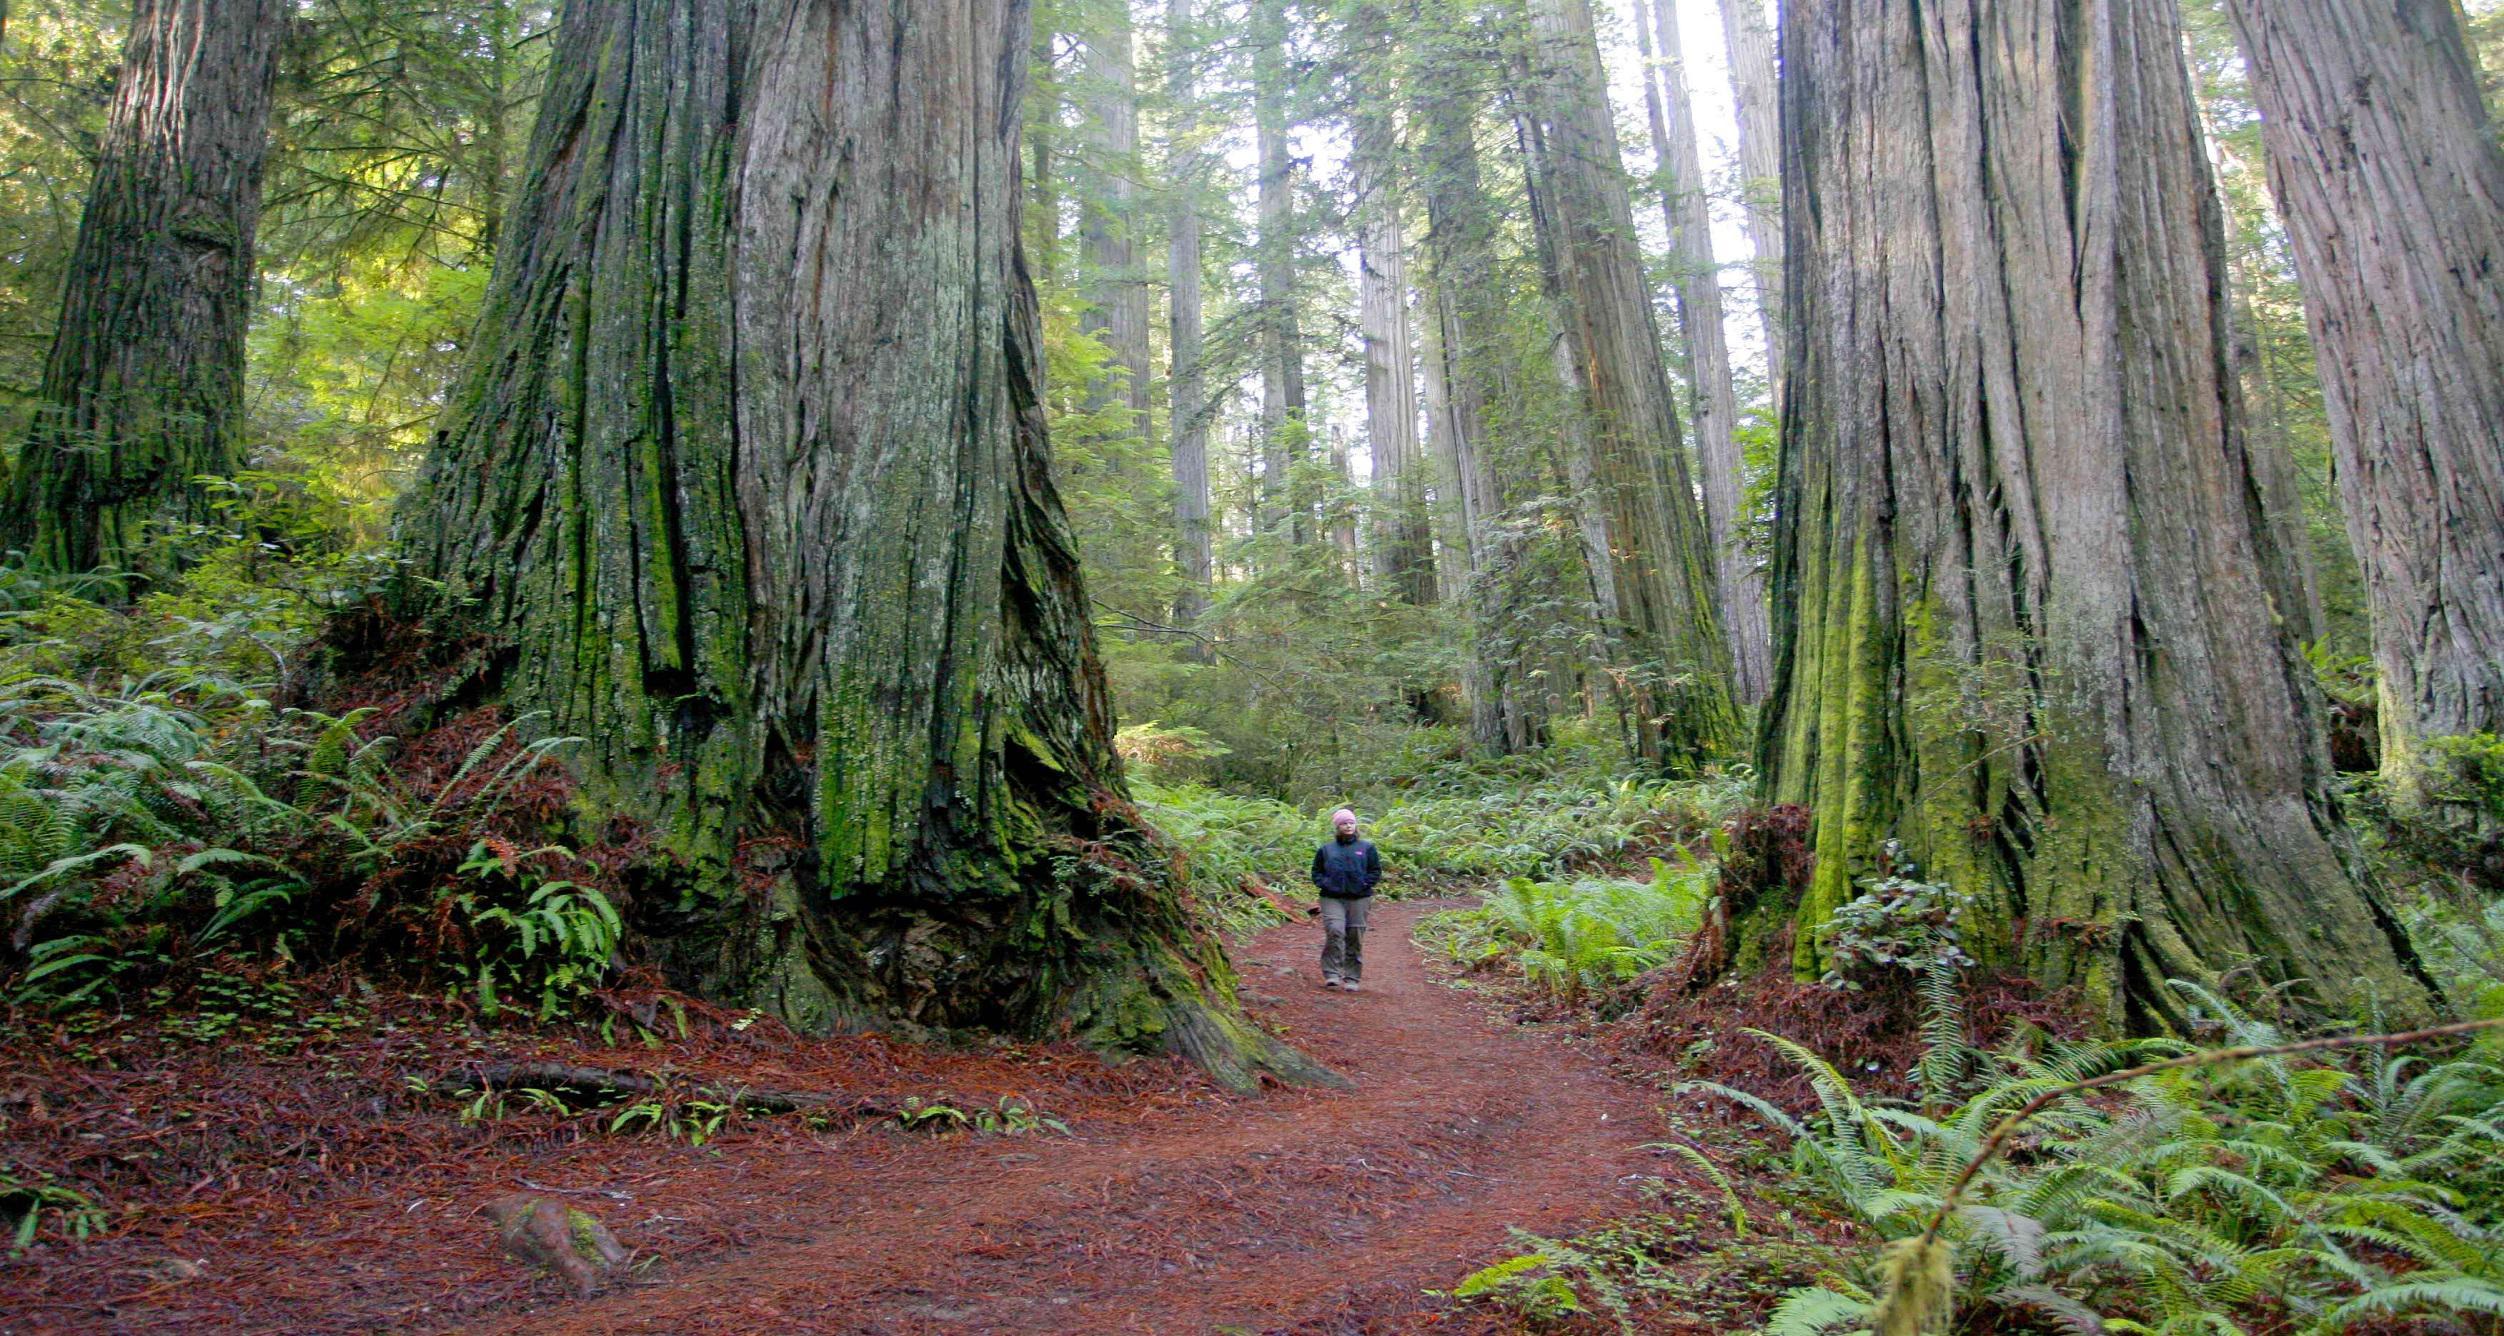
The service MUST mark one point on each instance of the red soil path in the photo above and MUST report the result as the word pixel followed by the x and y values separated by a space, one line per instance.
pixel 1315 1211
pixel 1173 1207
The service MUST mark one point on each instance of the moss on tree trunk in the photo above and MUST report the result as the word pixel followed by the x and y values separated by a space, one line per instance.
pixel 750 489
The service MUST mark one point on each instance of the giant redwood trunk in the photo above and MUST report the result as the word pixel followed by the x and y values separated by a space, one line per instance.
pixel 2026 619
pixel 1649 555
pixel 749 489
pixel 2392 188
pixel 143 390
pixel 1508 711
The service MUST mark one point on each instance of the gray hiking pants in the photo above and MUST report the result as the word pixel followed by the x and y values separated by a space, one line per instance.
pixel 1343 938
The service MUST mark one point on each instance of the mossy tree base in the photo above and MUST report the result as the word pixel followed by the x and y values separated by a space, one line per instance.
pixel 750 490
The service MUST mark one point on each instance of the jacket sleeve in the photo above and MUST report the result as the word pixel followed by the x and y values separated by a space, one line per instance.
pixel 1373 866
pixel 1317 870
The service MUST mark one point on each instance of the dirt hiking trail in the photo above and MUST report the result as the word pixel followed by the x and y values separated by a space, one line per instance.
pixel 318 1194
pixel 1304 1211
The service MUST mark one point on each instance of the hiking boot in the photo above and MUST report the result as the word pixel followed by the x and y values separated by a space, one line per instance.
pixel 1352 986
pixel 1330 981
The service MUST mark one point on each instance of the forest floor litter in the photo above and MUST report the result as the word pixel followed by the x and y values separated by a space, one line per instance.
pixel 333 1172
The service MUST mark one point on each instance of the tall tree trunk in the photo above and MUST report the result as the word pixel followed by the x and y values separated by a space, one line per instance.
pixel 1284 430
pixel 2023 621
pixel 1117 299
pixel 1443 446
pixel 1507 713
pixel 2393 193
pixel 1043 113
pixel 1342 508
pixel 750 490
pixel 1650 557
pixel 1186 167
pixel 1749 41
pixel 1403 552
pixel 143 388
pixel 1404 545
pixel 1696 280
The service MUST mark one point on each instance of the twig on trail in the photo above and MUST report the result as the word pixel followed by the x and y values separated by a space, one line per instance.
pixel 553 1076
pixel 611 1193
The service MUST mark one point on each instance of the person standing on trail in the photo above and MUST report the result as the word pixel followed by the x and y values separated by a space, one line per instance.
pixel 1345 870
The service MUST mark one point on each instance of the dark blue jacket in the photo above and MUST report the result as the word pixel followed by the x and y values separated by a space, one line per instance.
pixel 1347 869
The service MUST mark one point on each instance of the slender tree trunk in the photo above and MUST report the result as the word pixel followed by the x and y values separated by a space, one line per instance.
pixel 143 389
pixel 1443 445
pixel 1284 431
pixel 1043 112
pixel 2024 623
pixel 1404 547
pixel 1342 508
pixel 1507 714
pixel 1687 214
pixel 2392 189
pixel 1650 556
pixel 1749 41
pixel 750 490
pixel 1117 299
pixel 1189 407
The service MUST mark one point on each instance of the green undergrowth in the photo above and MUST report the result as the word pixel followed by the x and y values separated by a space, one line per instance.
pixel 1456 824
pixel 164 814
pixel 2361 1189
pixel 2275 1194
pixel 1579 938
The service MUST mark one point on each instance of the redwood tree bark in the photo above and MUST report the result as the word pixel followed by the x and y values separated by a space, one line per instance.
pixel 1650 558
pixel 144 384
pixel 1188 410
pixel 2024 621
pixel 1473 372
pixel 1285 439
pixel 1403 548
pixel 2392 188
pixel 750 490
